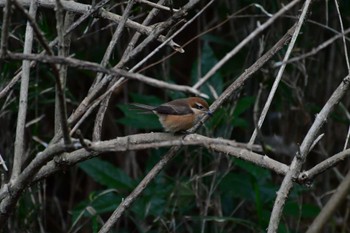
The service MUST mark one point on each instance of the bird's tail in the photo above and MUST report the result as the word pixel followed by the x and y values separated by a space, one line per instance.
pixel 145 108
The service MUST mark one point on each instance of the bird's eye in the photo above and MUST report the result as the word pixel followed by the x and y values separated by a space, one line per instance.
pixel 199 106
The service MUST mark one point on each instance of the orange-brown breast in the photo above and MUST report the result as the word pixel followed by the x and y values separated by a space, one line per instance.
pixel 176 123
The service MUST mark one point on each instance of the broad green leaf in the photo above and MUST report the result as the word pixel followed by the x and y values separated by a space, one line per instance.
pixel 208 60
pixel 107 174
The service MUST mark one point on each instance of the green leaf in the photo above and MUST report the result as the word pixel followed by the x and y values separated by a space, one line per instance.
pixel 137 119
pixel 240 122
pixel 107 174
pixel 146 99
pixel 259 173
pixel 304 210
pixel 208 60
pixel 102 202
pixel 155 198
pixel 237 185
pixel 243 104
pixel 216 39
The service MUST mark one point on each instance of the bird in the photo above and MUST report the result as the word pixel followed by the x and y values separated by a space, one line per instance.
pixel 179 115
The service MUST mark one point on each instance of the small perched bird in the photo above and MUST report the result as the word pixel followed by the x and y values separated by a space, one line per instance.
pixel 178 115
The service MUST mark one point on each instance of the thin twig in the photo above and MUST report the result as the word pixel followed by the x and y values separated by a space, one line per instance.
pixel 60 102
pixel 279 74
pixel 343 37
pixel 103 107
pixel 5 27
pixel 315 50
pixel 158 6
pixel 246 40
pixel 3 163
pixel 139 64
pixel 19 149
pixel 44 43
pixel 309 175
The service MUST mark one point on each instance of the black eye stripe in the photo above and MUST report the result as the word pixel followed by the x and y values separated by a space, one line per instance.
pixel 198 106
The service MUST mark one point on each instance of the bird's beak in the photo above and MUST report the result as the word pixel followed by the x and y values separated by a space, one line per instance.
pixel 209 113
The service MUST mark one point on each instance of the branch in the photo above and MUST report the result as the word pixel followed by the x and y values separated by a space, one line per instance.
pixel 314 50
pixel 158 6
pixel 3 163
pixel 63 50
pixel 98 68
pixel 155 140
pixel 60 94
pixel 23 99
pixel 308 176
pixel 5 27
